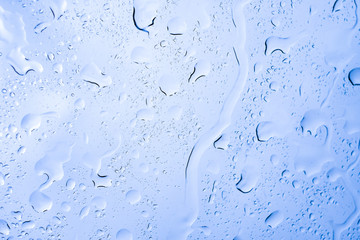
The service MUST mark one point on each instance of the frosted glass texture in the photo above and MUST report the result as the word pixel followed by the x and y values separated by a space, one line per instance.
pixel 179 119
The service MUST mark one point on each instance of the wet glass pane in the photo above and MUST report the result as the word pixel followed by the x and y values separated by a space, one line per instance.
pixel 179 119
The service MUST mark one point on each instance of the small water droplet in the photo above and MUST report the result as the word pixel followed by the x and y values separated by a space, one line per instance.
pixel 145 114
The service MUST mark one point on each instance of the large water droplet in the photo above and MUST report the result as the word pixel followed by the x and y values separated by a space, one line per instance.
pixel 28 225
pixel 99 202
pixel 40 202
pixel 169 85
pixel 31 122
pixel 133 197
pixel 91 73
pixel 144 13
pixel 248 179
pixel 177 26
pixel 4 227
pixel 84 212
pixel 145 114
pixel 140 55
pixel 201 69
pixel 124 234
pixel 274 219
pixel 354 76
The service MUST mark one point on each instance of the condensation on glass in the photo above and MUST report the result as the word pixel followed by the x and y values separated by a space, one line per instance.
pixel 149 119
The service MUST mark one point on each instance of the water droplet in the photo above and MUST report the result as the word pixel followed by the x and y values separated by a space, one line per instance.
pixel 65 206
pixel 258 67
pixel 40 202
pixel 169 85
pixel 92 74
pixel 333 174
pixel 274 159
pixel 282 44
pixel 275 21
pixel 266 130
pixel 133 197
pixel 177 26
pixel 274 219
pixel 28 225
pixel 140 55
pixel 70 184
pixel 145 114
pixel 58 7
pixel 84 212
pixel 222 142
pixel 21 64
pixel 296 184
pixel 51 56
pixel 99 202
pixel 100 181
pixel 248 179
pixel 201 69
pixel 354 76
pixel 274 86
pixel 21 150
pixel 4 227
pixel 79 103
pixel 124 234
pixel 144 14
pixel 31 122
pixel 2 179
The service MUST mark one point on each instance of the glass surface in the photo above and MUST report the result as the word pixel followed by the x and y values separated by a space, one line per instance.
pixel 179 119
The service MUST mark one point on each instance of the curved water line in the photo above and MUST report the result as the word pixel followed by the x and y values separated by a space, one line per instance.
pixel 223 122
